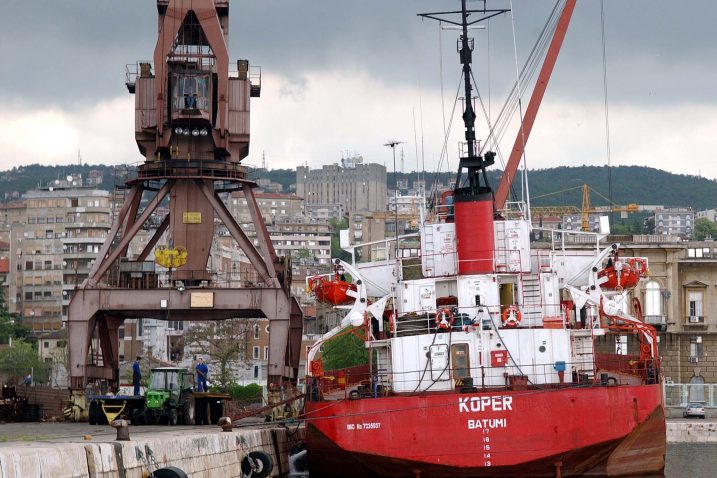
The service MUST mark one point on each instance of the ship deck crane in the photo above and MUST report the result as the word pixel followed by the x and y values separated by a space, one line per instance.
pixel 531 111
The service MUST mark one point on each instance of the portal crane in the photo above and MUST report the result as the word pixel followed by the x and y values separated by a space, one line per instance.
pixel 192 127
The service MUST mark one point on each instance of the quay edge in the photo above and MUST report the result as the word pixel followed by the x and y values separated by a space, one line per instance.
pixel 200 453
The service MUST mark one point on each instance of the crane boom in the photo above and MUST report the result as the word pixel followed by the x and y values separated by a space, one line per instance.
pixel 531 112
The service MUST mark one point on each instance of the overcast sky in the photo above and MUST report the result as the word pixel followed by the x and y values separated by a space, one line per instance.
pixel 342 77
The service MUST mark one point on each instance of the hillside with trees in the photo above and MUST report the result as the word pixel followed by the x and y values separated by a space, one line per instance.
pixel 548 187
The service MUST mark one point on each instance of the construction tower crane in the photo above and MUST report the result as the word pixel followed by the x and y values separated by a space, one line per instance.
pixel 585 210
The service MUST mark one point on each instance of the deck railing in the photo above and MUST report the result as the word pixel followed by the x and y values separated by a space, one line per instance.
pixel 607 370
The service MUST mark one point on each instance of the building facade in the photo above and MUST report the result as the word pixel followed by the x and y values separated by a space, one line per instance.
pixel 53 248
pixel 273 207
pixel 680 299
pixel 675 221
pixel 356 186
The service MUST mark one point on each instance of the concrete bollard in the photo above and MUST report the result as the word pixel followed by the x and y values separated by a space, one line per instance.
pixel 226 424
pixel 122 427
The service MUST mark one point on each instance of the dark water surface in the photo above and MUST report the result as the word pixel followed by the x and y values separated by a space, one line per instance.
pixel 684 460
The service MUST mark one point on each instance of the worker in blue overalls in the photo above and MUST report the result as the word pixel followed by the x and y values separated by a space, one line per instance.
pixel 136 375
pixel 202 371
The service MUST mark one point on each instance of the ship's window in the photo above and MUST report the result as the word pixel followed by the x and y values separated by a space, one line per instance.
pixel 460 360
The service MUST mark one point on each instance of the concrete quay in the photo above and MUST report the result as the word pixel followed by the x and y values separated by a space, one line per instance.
pixel 61 450
pixel 691 430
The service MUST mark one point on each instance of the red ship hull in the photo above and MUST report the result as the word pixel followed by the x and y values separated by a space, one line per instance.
pixel 603 431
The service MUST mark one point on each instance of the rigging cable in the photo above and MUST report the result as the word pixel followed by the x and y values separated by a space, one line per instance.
pixel 524 182
pixel 527 72
pixel 440 70
pixel 605 99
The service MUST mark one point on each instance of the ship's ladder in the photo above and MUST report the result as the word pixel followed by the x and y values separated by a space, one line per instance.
pixel 382 363
pixel 584 352
pixel 429 260
pixel 531 300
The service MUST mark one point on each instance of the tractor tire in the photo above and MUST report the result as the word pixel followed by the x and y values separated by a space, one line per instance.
pixel 136 418
pixel 216 410
pixel 262 465
pixel 202 412
pixel 93 412
pixel 169 472
pixel 173 417
pixel 186 403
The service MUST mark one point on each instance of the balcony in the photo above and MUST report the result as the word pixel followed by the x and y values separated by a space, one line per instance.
pixel 657 321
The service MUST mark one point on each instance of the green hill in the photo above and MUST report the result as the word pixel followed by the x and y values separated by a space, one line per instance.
pixel 554 186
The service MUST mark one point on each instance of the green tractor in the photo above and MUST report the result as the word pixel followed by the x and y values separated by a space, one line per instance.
pixel 169 398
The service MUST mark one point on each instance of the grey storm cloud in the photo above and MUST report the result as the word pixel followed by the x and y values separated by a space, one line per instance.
pixel 73 52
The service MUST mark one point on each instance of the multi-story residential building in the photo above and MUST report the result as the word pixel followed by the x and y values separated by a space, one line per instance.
pixel 710 214
pixel 574 222
pixel 54 247
pixel 304 242
pixel 323 212
pixel 356 186
pixel 273 207
pixel 675 221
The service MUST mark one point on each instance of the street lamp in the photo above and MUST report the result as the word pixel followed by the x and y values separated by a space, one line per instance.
pixel 392 144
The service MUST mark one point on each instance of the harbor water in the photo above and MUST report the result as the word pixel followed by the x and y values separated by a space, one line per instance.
pixel 683 460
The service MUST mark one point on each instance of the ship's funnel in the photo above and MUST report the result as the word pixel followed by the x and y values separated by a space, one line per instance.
pixel 474 232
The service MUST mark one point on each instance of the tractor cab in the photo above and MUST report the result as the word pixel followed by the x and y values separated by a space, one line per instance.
pixel 170 388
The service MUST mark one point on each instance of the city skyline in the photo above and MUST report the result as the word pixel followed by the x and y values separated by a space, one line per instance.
pixel 343 78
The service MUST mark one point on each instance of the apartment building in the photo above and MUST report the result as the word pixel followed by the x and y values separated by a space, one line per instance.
pixel 273 207
pixel 53 245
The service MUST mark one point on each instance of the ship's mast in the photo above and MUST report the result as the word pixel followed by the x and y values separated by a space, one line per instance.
pixel 474 163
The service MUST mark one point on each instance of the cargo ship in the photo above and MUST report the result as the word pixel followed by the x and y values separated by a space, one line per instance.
pixel 493 352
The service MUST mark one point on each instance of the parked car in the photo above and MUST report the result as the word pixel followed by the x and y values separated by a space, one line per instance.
pixel 694 409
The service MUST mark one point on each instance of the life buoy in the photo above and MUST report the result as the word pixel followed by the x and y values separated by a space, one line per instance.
pixel 639 264
pixel 317 369
pixel 444 318
pixel 511 316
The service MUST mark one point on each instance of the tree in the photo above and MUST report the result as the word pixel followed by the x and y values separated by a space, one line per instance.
pixel 345 350
pixel 336 251
pixel 20 359
pixel 224 342
pixel 10 326
pixel 704 228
